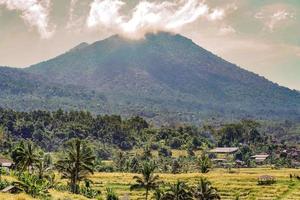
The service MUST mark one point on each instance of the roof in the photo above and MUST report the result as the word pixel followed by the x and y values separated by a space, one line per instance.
pixel 224 150
pixel 8 188
pixel 6 162
pixel 260 156
pixel 219 160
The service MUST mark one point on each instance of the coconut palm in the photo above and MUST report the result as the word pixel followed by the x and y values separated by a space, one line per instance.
pixel 204 163
pixel 148 180
pixel 43 166
pixel 205 191
pixel 178 191
pixel 25 155
pixel 77 163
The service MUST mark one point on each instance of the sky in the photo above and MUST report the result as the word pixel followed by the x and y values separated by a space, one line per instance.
pixel 262 36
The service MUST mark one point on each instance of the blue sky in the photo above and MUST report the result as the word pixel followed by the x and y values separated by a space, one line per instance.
pixel 262 36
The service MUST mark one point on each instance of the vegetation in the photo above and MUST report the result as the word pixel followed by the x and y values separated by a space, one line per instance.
pixel 148 181
pixel 46 167
pixel 204 190
pixel 181 85
pixel 77 163
pixel 25 155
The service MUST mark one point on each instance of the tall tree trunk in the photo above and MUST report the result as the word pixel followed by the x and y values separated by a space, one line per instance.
pixel 147 194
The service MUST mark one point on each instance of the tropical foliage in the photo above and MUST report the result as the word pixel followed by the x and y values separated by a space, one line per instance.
pixel 148 181
pixel 77 163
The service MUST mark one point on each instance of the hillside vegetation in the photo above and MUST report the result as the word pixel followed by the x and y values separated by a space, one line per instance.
pixel 163 77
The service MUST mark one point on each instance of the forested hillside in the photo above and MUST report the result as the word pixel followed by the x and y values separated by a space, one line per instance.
pixel 169 75
pixel 24 91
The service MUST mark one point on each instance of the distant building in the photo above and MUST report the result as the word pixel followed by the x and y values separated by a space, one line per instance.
pixel 11 189
pixel 260 158
pixel 6 163
pixel 224 150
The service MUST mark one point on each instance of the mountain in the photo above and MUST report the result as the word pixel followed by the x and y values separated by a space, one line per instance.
pixel 24 91
pixel 168 76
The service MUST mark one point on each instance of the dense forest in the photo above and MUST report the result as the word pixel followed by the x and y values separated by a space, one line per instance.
pixel 49 130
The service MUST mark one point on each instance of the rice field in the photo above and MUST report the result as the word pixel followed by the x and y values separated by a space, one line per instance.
pixel 240 182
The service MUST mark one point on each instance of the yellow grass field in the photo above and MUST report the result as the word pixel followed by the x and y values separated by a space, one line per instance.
pixel 242 182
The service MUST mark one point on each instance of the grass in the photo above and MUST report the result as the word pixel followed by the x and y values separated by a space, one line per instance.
pixel 242 182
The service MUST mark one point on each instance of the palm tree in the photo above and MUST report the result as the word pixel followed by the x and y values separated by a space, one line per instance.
pixel 204 163
pixel 205 191
pixel 25 155
pixel 178 191
pixel 148 181
pixel 77 163
pixel 43 166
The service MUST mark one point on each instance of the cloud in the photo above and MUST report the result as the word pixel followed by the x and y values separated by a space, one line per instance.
pixel 274 19
pixel 34 12
pixel 217 14
pixel 226 29
pixel 149 16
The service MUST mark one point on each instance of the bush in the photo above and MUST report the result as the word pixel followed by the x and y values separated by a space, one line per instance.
pixel 266 180
pixel 111 195
pixel 88 191
pixel 32 185
pixel 104 154
pixel 4 184
pixel 175 143
pixel 164 152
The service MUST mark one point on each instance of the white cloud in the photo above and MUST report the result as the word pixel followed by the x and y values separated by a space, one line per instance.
pixel 217 14
pixel 226 29
pixel 274 19
pixel 149 16
pixel 34 12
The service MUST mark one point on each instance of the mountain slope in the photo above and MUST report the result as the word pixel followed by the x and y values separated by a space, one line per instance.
pixel 169 74
pixel 24 91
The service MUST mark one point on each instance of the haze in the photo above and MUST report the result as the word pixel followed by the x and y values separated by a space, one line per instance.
pixel 261 36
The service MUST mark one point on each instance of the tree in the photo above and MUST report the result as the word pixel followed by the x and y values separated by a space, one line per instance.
pixel 148 181
pixel 204 163
pixel 44 165
pixel 25 155
pixel 111 195
pixel 32 185
pixel 205 191
pixel 175 166
pixel 134 165
pixel 178 191
pixel 77 162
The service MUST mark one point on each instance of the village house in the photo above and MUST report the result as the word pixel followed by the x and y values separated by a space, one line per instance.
pixel 260 158
pixel 6 163
pixel 224 155
pixel 224 150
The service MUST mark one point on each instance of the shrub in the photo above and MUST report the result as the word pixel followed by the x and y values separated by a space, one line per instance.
pixel 266 180
pixel 32 185
pixel 164 152
pixel 111 195
pixel 4 184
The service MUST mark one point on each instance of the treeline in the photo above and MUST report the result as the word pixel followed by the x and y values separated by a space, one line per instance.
pixel 35 172
pixel 113 136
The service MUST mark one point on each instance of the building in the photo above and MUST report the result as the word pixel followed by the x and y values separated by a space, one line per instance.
pixel 260 158
pixel 225 150
pixel 6 163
